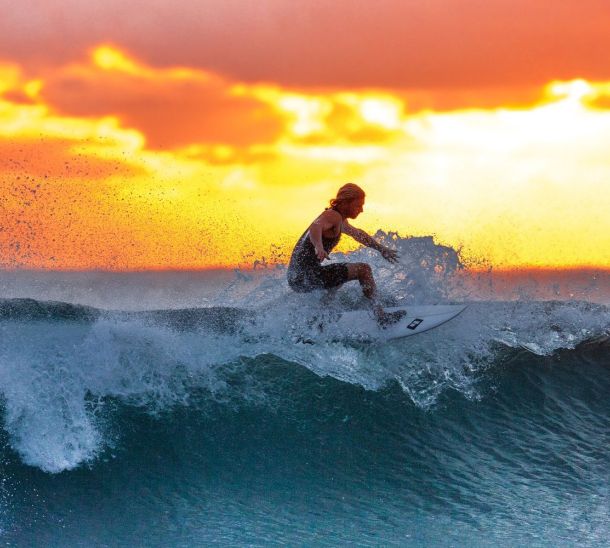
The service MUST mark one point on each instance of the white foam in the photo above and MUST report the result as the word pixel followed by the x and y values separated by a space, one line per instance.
pixel 56 375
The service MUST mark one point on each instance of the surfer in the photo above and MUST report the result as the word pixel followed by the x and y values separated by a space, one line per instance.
pixel 305 271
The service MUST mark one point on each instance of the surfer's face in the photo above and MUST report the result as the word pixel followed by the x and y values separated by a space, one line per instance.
pixel 356 207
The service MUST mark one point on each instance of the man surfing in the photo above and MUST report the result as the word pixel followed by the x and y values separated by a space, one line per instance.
pixel 305 271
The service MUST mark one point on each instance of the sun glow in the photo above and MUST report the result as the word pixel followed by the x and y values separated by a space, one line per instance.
pixel 385 112
pixel 308 113
pixel 513 186
pixel 110 58
pixel 574 91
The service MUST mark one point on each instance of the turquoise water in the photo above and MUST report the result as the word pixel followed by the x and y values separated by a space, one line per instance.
pixel 215 424
pixel 288 457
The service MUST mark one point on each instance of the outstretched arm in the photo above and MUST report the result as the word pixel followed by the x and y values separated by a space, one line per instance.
pixel 362 237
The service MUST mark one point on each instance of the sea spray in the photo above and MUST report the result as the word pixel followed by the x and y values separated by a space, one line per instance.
pixel 62 363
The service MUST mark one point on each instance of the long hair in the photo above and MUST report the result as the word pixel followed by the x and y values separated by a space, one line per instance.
pixel 347 193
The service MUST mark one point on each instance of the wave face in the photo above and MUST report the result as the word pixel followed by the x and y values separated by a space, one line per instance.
pixel 237 422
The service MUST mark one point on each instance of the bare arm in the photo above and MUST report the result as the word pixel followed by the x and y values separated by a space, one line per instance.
pixel 363 238
pixel 326 221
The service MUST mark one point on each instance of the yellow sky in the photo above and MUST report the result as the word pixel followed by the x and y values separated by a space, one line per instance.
pixel 111 163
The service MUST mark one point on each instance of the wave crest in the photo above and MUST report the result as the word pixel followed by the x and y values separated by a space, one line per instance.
pixel 60 364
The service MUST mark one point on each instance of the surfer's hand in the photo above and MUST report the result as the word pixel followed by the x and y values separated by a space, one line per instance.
pixel 321 254
pixel 390 255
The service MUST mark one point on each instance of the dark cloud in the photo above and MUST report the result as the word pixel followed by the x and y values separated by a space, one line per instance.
pixel 170 112
pixel 18 97
pixel 342 43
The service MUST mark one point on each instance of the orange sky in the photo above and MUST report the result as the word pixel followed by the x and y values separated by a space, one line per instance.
pixel 397 44
pixel 195 135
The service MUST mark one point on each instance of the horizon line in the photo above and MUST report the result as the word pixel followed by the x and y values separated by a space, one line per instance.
pixel 280 266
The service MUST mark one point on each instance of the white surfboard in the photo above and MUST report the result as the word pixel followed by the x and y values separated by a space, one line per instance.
pixel 361 324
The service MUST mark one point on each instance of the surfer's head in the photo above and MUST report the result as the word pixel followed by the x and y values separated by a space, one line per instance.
pixel 349 200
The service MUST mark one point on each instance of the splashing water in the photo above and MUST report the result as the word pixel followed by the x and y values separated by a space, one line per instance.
pixel 61 364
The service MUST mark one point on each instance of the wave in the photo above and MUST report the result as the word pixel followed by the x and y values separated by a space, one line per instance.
pixel 61 364
pixel 65 363
pixel 281 445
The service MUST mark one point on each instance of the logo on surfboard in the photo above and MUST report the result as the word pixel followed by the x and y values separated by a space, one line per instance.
pixel 414 323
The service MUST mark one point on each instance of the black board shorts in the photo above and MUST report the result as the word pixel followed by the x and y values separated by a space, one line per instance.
pixel 320 277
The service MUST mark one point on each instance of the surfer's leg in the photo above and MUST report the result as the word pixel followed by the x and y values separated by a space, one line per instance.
pixel 329 296
pixel 332 276
pixel 363 273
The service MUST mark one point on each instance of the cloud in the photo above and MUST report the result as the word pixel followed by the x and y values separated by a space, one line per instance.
pixel 325 118
pixel 392 44
pixel 596 94
pixel 172 107
pixel 202 114
pixel 38 143
pixel 500 181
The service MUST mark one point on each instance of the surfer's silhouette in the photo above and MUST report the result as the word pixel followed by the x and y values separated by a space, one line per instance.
pixel 305 271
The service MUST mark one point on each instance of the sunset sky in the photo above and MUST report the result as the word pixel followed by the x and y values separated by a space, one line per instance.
pixel 197 134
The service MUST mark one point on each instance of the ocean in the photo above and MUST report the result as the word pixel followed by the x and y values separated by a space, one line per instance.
pixel 208 409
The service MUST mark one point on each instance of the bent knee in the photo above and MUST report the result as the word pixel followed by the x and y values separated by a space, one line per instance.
pixel 358 271
pixel 365 269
